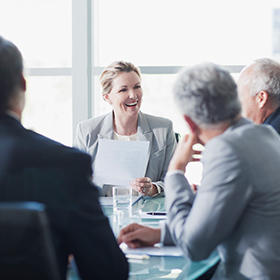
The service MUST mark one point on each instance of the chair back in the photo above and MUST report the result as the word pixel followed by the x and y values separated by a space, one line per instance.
pixel 177 136
pixel 26 248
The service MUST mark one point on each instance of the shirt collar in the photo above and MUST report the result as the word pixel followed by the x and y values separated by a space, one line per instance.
pixel 13 115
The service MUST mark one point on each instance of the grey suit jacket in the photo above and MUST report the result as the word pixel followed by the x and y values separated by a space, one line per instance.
pixel 237 207
pixel 158 131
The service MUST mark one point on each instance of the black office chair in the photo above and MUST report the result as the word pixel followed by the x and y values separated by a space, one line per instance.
pixel 177 136
pixel 26 248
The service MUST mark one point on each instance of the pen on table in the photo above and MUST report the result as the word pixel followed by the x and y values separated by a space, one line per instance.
pixel 156 213
pixel 136 200
pixel 138 257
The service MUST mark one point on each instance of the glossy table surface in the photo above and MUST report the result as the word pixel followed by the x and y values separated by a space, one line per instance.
pixel 163 267
pixel 157 267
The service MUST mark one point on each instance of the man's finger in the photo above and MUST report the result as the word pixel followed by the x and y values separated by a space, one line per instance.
pixel 133 245
pixel 131 236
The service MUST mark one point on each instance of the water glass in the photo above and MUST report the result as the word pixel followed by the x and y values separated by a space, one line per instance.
pixel 122 197
pixel 122 205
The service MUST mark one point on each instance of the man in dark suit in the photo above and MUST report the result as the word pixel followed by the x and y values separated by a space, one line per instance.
pixel 259 92
pixel 35 168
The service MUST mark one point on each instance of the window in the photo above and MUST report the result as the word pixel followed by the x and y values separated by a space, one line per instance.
pixel 42 32
pixel 162 35
pixel 67 43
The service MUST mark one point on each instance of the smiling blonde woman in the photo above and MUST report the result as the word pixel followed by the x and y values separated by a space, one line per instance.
pixel 121 88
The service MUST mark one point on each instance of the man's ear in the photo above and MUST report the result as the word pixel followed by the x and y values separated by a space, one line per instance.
pixel 262 98
pixel 107 98
pixel 191 124
pixel 23 83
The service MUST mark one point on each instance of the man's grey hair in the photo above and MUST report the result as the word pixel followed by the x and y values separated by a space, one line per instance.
pixel 265 76
pixel 207 94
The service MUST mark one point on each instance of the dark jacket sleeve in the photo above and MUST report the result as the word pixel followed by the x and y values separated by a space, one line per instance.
pixel 79 224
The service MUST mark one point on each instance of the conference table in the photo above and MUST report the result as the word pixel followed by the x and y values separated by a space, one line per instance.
pixel 157 266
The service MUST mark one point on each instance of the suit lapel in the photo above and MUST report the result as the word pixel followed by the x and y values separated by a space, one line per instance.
pixel 107 131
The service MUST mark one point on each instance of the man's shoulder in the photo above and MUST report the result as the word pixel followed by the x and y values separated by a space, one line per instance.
pixel 47 151
pixel 243 139
pixel 249 131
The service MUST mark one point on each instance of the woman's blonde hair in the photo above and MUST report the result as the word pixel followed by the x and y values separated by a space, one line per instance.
pixel 112 70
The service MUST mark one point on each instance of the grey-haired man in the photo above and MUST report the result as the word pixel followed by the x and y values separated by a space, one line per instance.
pixel 237 207
pixel 259 92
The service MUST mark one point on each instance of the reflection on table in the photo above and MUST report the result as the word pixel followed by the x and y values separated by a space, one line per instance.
pixel 157 267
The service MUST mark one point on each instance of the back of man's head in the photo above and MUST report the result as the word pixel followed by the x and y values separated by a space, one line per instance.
pixel 11 67
pixel 207 94
pixel 264 75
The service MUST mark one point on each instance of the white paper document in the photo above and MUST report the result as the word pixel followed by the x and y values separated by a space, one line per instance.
pixel 156 250
pixel 120 162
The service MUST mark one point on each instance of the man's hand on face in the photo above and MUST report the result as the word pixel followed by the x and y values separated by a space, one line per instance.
pixel 184 153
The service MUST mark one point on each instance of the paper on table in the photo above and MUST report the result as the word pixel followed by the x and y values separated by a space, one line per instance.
pixel 157 250
pixel 120 162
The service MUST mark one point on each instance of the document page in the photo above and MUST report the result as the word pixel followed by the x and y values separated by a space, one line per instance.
pixel 156 250
pixel 120 162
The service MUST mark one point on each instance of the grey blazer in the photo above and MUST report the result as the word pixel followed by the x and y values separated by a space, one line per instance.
pixel 236 208
pixel 158 131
